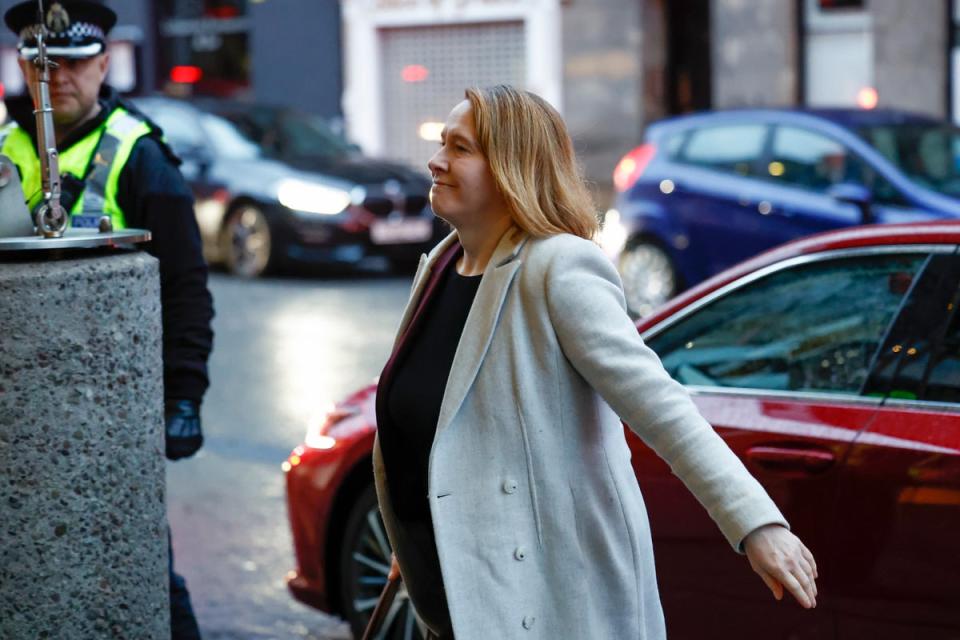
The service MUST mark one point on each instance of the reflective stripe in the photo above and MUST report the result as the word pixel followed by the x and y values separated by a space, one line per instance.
pixel 94 195
pixel 101 154
pixel 122 124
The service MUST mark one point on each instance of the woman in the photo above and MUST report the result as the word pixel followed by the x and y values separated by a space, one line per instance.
pixel 502 472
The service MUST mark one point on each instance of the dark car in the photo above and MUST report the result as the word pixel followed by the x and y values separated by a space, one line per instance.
pixel 316 201
pixel 831 366
pixel 705 191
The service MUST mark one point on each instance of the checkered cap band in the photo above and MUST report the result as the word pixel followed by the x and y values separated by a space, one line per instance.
pixel 76 32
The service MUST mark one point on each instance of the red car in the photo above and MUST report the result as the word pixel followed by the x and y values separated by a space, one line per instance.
pixel 831 366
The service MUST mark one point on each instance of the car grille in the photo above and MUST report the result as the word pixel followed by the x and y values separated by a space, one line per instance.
pixel 381 207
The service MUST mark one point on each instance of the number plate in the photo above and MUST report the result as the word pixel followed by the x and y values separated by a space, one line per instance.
pixel 403 231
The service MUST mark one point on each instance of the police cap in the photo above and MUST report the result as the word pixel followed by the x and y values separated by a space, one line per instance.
pixel 75 28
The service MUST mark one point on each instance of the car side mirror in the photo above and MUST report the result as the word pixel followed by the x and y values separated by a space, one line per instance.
pixel 196 159
pixel 855 194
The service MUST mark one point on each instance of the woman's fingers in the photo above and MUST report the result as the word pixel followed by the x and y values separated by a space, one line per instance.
pixel 807 574
pixel 797 577
pixel 800 591
pixel 809 558
pixel 780 559
pixel 772 584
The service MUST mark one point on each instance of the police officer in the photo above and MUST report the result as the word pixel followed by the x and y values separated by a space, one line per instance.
pixel 114 163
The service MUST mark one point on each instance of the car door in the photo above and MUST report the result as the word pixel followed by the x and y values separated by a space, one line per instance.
pixel 775 362
pixel 709 189
pixel 801 166
pixel 897 570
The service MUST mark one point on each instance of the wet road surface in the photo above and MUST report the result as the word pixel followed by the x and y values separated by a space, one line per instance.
pixel 284 349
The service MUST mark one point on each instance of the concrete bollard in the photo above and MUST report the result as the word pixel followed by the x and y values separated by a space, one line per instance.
pixel 83 523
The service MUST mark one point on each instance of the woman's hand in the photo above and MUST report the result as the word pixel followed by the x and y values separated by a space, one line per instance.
pixel 782 560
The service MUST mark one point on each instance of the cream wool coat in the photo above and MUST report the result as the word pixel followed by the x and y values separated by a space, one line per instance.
pixel 540 526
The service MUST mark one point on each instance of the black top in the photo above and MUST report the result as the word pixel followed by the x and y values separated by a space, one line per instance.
pixel 154 196
pixel 416 392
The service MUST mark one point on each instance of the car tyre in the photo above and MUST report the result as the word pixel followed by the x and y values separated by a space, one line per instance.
pixel 247 242
pixel 648 274
pixel 364 564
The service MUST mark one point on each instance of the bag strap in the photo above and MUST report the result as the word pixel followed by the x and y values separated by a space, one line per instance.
pixel 387 596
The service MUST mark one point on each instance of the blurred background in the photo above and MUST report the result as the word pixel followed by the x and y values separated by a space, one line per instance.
pixel 305 127
pixel 387 70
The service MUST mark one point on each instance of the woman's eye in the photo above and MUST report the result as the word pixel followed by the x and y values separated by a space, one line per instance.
pixel 460 147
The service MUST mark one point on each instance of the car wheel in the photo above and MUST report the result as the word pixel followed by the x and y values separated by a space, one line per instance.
pixel 649 278
pixel 247 246
pixel 364 564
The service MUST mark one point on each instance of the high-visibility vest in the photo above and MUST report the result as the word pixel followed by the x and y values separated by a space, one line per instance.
pixel 98 157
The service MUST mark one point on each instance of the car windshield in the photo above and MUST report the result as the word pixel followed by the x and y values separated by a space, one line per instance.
pixel 228 140
pixel 306 135
pixel 289 134
pixel 928 154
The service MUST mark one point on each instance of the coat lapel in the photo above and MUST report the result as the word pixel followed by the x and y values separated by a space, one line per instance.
pixel 481 322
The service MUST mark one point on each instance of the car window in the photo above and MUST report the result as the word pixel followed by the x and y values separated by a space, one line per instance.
pixel 305 135
pixel 673 143
pixel 179 124
pixel 227 140
pixel 920 359
pixel 811 327
pixel 730 148
pixel 810 160
pixel 927 153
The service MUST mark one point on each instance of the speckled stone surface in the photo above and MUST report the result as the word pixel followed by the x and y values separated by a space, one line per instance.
pixel 83 553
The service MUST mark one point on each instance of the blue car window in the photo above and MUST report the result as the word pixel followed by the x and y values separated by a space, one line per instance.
pixel 927 153
pixel 812 327
pixel 673 143
pixel 809 159
pixel 730 148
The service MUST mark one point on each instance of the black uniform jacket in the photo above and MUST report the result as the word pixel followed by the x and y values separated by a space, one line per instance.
pixel 154 196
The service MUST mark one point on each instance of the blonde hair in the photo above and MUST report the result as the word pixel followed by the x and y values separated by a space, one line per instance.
pixel 532 161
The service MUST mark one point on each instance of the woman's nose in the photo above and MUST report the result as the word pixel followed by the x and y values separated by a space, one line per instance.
pixel 437 163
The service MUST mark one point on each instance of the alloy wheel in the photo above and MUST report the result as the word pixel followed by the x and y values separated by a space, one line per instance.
pixel 365 563
pixel 247 242
pixel 648 277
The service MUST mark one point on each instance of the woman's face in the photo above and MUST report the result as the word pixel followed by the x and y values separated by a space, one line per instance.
pixel 464 191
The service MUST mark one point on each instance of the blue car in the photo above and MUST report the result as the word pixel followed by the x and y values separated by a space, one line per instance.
pixel 705 191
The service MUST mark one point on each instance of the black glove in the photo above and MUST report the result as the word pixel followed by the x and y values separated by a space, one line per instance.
pixel 184 435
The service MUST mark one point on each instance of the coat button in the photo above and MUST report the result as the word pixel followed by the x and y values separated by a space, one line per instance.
pixel 520 553
pixel 509 485
pixel 528 622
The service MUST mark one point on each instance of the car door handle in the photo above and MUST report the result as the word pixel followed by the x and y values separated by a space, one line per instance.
pixel 791 459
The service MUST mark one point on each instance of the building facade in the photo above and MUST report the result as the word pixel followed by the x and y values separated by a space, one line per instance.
pixel 610 66
pixel 275 51
pixel 392 69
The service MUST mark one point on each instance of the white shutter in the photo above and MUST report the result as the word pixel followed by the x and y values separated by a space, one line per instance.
pixel 455 57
